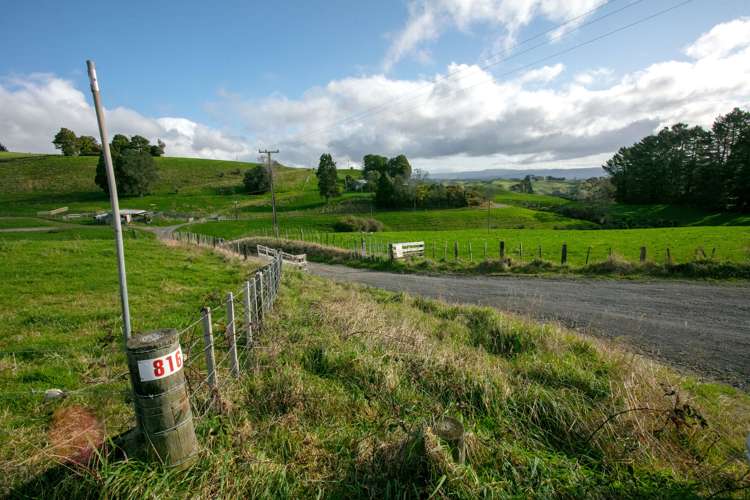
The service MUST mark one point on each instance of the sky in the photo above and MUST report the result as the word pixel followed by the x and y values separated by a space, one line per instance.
pixel 453 84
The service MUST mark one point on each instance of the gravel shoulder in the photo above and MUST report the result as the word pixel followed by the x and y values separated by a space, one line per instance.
pixel 701 327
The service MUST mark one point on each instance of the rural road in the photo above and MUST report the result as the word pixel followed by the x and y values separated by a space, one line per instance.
pixel 704 328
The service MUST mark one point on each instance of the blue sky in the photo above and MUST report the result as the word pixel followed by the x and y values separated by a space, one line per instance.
pixel 220 78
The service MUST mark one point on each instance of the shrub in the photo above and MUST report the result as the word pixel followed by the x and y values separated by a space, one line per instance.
pixel 257 180
pixel 135 173
pixel 350 224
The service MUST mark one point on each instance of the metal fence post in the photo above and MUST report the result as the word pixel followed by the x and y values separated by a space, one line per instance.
pixel 248 317
pixel 259 278
pixel 231 337
pixel 208 341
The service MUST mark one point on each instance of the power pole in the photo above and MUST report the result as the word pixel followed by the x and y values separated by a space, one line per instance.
pixel 268 154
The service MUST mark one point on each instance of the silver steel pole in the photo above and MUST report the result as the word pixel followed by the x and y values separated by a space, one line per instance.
pixel 113 200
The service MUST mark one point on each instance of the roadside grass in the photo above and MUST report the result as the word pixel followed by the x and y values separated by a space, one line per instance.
pixel 350 384
pixel 60 328
pixel 613 267
pixel 732 244
pixel 687 244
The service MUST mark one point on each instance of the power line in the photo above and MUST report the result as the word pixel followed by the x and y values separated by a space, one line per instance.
pixel 491 62
pixel 534 63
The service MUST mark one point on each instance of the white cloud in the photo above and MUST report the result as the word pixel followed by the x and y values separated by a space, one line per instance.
pixel 545 74
pixel 525 120
pixel 594 76
pixel 722 40
pixel 34 107
pixel 439 122
pixel 429 18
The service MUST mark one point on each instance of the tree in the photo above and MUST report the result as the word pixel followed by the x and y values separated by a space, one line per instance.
pixel 66 141
pixel 135 172
pixel 374 163
pixel 119 143
pixel 327 174
pixel 257 180
pixel 140 144
pixel 399 167
pixel 3 149
pixel 158 150
pixel 88 146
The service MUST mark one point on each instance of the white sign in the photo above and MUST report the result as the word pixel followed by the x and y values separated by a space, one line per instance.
pixel 156 368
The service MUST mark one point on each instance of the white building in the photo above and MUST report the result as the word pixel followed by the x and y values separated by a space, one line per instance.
pixel 127 215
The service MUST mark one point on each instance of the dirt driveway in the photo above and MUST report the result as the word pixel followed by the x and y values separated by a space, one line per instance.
pixel 702 327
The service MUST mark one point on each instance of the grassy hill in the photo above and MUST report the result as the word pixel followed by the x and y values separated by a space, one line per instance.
pixel 347 387
pixel 186 185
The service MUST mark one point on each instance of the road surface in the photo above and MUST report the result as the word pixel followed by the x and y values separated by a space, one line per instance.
pixel 702 327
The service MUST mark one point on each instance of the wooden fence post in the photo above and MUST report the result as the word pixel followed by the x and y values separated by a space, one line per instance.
pixel 485 249
pixel 471 255
pixel 231 336
pixel 643 255
pixel 455 249
pixel 208 341
pixel 445 251
pixel 669 257
pixel 520 251
pixel 588 254
pixel 564 256
pixel 502 249
pixel 162 404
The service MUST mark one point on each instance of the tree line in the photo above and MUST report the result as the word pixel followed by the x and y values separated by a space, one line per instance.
pixel 688 166
pixel 85 145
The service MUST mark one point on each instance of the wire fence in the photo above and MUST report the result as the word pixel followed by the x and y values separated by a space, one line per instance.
pixel 218 346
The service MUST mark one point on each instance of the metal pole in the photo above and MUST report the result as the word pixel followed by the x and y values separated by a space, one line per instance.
pixel 112 186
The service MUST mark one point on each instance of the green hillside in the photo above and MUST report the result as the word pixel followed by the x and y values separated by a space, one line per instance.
pixel 186 185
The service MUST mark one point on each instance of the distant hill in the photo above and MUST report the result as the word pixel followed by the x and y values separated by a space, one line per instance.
pixel 505 173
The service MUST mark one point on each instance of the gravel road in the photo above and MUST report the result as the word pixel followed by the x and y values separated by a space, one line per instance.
pixel 704 328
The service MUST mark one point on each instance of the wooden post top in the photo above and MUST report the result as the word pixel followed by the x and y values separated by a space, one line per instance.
pixel 156 339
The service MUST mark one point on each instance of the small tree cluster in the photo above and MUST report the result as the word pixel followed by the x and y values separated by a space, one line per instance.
pixel 120 143
pixel 257 180
pixel 72 145
pixel 327 175
pixel 3 149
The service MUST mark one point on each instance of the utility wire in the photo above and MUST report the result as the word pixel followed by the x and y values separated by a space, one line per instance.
pixel 491 62
pixel 532 64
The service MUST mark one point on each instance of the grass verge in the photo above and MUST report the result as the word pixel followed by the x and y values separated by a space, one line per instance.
pixel 613 266
pixel 349 386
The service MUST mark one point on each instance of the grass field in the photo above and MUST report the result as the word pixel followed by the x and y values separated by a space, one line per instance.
pixel 348 386
pixel 446 220
pixel 59 326
pixel 16 222
pixel 730 243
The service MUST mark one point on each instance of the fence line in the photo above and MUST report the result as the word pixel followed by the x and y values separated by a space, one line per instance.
pixel 234 339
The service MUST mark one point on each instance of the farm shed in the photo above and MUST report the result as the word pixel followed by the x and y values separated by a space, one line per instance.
pixel 127 215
